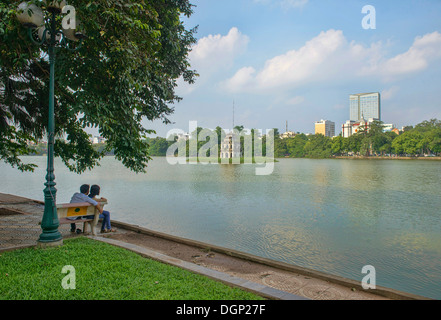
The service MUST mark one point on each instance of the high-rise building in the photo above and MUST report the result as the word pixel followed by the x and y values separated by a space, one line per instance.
pixel 325 127
pixel 364 106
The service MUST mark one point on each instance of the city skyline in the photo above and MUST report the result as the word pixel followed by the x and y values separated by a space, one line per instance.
pixel 298 61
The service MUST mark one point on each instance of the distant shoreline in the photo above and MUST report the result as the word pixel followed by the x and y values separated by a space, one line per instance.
pixel 385 158
pixel 275 158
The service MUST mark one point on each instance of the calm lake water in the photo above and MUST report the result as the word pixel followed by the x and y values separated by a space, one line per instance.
pixel 335 216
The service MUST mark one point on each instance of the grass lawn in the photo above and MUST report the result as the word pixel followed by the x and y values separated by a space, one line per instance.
pixel 102 271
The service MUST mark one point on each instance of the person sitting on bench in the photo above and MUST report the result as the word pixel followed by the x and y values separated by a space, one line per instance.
pixel 82 196
pixel 105 215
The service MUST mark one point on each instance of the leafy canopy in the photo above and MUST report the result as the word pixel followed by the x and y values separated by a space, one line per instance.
pixel 124 73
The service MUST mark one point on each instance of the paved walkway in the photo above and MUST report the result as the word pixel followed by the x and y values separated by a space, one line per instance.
pixel 20 222
pixel 20 227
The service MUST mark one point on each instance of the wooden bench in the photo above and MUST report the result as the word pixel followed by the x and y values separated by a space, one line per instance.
pixel 81 209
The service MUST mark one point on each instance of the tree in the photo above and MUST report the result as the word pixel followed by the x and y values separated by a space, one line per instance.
pixel 295 146
pixel 125 72
pixel 354 142
pixel 373 138
pixel 408 143
pixel 435 141
pixel 431 136
pixel 280 149
pixel 220 134
pixel 428 125
pixel 158 146
pixel 337 145
pixel 386 147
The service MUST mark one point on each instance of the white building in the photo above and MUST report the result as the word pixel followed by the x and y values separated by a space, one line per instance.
pixel 352 127
pixel 347 129
pixel 230 147
pixel 288 134
pixel 388 127
pixel 183 136
pixel 97 139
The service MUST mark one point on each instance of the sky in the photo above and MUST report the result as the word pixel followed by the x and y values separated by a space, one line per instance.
pixel 297 61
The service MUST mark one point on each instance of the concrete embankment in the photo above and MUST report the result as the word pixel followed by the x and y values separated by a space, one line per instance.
pixel 338 286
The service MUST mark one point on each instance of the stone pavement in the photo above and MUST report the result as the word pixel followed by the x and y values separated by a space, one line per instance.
pixel 20 222
pixel 20 227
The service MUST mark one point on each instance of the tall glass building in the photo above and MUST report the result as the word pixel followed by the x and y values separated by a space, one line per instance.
pixel 364 105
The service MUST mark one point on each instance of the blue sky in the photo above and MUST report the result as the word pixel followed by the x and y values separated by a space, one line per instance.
pixel 299 60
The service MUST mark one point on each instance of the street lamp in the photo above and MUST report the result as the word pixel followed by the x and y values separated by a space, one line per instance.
pixel 44 32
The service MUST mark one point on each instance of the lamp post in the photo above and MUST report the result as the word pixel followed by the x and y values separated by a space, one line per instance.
pixel 43 32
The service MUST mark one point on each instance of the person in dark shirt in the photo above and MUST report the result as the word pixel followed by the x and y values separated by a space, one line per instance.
pixel 79 197
pixel 105 215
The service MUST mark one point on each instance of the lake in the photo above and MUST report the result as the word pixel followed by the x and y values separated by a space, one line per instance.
pixel 332 215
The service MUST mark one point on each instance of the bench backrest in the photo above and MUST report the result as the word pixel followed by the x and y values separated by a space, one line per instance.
pixel 68 210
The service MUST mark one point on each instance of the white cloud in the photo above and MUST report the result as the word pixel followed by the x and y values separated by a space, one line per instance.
pixel 296 65
pixel 212 54
pixel 290 68
pixel 330 57
pixel 243 80
pixel 423 50
pixel 216 52
pixel 388 94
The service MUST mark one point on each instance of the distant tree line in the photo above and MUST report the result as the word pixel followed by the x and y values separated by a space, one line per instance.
pixel 423 139
pixel 208 138
pixel 40 148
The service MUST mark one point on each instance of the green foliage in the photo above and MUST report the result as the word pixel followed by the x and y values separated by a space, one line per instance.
pixel 425 138
pixel 125 72
pixel 158 146
pixel 318 146
pixel 102 272
pixel 339 145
